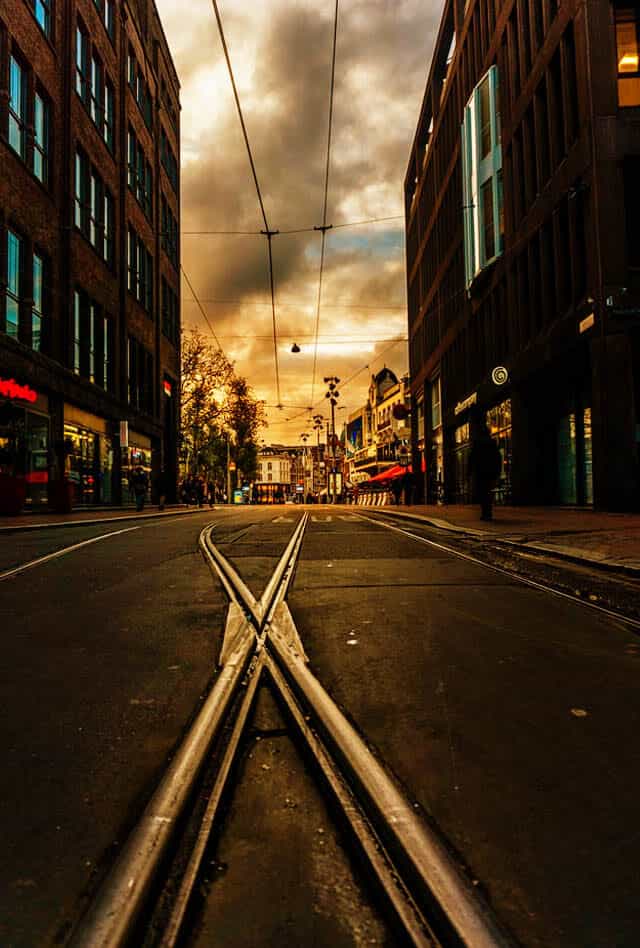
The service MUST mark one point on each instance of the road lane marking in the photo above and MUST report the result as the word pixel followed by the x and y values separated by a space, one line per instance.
pixel 321 519
pixel 67 549
pixel 282 520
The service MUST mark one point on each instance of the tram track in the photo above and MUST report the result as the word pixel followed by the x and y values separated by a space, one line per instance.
pixel 484 554
pixel 427 894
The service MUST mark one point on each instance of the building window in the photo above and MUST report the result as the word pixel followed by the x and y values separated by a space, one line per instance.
pixel 107 115
pixel 436 397
pixel 139 270
pixel 41 126
pixel 83 81
pixel 17 106
pixel 140 175
pixel 37 307
pixel 168 160
pixel 81 214
pixel 77 335
pixel 169 233
pixel 42 13
pixel 96 90
pixel 94 208
pixel 140 376
pixel 94 87
pixel 170 320
pixel 627 17
pixel 105 9
pixel 140 88
pixel 482 177
pixel 107 346
pixel 92 341
pixel 14 283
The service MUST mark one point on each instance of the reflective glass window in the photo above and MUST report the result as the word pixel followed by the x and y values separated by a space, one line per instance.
pixel 14 283
pixel 41 139
pixel 17 106
pixel 37 309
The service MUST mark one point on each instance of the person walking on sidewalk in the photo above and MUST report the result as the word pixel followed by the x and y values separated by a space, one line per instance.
pixel 140 483
pixel 485 463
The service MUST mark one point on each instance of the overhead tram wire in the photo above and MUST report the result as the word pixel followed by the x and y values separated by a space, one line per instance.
pixel 283 233
pixel 268 233
pixel 201 308
pixel 324 226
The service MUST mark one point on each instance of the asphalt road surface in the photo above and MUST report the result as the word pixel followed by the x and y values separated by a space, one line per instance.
pixel 510 716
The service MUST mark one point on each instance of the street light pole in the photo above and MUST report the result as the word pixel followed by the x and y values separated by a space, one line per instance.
pixel 333 395
pixel 304 437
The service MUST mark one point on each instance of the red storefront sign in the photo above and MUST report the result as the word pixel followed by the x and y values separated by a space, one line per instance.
pixel 9 388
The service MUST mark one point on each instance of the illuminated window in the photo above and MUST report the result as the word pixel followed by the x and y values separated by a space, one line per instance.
pixel 628 54
pixel 482 177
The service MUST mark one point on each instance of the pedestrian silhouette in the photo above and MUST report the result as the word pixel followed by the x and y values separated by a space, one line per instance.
pixel 485 463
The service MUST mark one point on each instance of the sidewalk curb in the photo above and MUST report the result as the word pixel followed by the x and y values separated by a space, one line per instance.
pixel 25 527
pixel 572 556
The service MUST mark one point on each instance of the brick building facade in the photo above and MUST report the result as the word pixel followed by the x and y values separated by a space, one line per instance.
pixel 522 196
pixel 89 249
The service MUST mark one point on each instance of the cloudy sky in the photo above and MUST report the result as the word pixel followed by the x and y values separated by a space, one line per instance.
pixel 280 51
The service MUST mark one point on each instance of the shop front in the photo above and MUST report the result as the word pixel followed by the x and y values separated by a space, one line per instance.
pixel 89 457
pixel 25 447
pixel 498 419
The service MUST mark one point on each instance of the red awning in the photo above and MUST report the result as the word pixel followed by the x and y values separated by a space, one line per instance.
pixel 391 474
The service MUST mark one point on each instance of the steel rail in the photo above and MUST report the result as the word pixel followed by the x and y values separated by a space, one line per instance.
pixel 278 585
pixel 23 567
pixel 610 613
pixel 456 911
pixel 372 848
pixel 187 885
pixel 111 919
pixel 418 874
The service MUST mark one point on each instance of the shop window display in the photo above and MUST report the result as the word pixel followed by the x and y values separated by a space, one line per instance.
pixel 80 447
pixel 499 422
pixel 24 457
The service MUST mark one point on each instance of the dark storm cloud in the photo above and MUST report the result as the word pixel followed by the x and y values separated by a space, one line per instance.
pixel 281 52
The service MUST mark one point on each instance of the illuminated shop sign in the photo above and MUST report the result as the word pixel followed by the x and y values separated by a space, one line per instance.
pixel 466 403
pixel 9 388
pixel 168 387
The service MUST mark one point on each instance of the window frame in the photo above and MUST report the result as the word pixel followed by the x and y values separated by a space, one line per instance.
pixel 41 141
pixel 18 119
pixel 14 281
pixel 83 64
pixel 47 7
pixel 479 172
pixel 38 300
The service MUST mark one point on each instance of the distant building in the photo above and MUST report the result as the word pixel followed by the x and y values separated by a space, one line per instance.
pixel 378 431
pixel 523 260
pixel 89 249
pixel 273 481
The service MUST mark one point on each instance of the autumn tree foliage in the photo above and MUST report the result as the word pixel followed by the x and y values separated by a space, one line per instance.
pixel 220 416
